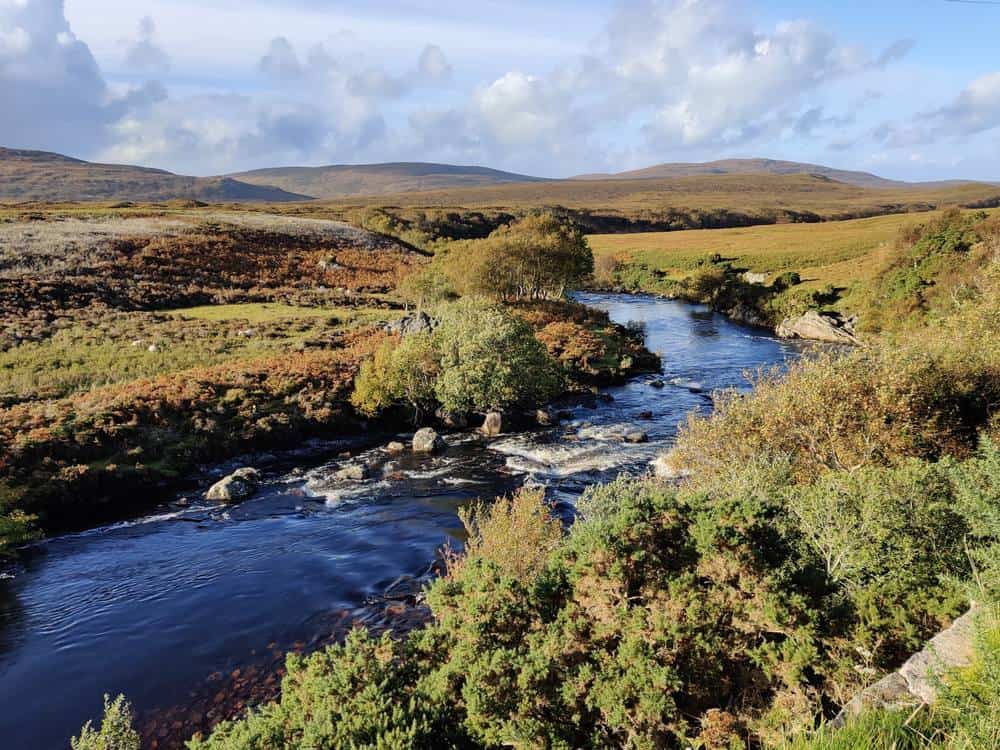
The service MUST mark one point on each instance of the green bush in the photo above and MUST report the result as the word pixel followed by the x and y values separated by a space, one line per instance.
pixel 116 732
pixel 479 358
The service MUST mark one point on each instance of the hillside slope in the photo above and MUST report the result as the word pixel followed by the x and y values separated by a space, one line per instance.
pixel 342 180
pixel 760 167
pixel 45 176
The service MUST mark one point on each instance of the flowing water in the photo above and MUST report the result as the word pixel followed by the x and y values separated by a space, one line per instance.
pixel 150 606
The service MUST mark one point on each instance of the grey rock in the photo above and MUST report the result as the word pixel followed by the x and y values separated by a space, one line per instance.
pixel 755 278
pixel 638 436
pixel 427 441
pixel 419 322
pixel 816 326
pixel 749 316
pixel 239 485
pixel 493 424
pixel 949 649
pixel 656 384
pixel 545 417
pixel 395 447
pixel 889 692
pixel 646 415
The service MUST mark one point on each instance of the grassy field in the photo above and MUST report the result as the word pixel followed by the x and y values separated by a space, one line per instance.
pixel 836 252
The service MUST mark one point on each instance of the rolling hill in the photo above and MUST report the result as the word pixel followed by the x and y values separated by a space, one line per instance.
pixel 343 180
pixel 45 176
pixel 758 167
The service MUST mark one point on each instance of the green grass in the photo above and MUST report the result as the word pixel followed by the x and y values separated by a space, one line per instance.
pixel 260 312
pixel 836 252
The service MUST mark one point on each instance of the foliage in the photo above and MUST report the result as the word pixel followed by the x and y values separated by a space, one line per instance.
pixel 400 372
pixel 537 257
pixel 116 732
pixel 490 359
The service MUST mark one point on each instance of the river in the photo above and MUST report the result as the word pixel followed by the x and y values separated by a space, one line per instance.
pixel 151 606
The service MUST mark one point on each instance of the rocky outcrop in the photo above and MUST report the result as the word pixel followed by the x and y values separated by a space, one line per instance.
pixel 493 424
pixel 747 315
pixel 239 485
pixel 427 441
pixel 419 322
pixel 817 326
pixel 916 682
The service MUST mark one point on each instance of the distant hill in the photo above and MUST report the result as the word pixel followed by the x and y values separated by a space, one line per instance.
pixel 757 166
pixel 45 176
pixel 344 180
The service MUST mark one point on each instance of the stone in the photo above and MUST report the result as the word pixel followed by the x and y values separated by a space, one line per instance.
pixel 239 485
pixel 747 315
pixel 665 467
pixel 816 326
pixel 493 424
pixel 395 447
pixel 546 418
pixel 152 348
pixel 889 692
pixel 657 384
pixel 418 322
pixel 635 437
pixel 355 473
pixel 755 278
pixel 427 440
pixel 949 649
pixel 646 415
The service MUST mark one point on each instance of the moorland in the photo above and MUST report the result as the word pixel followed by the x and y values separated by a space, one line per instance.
pixel 810 536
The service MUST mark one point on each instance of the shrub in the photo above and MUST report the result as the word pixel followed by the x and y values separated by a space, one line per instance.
pixel 399 372
pixel 490 359
pixel 538 257
pixel 116 732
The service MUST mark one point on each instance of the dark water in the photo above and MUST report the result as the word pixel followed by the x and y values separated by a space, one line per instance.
pixel 150 607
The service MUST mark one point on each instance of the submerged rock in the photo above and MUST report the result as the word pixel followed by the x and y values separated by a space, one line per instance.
pixel 656 384
pixel 635 437
pixel 493 424
pixel 816 326
pixel 239 485
pixel 427 441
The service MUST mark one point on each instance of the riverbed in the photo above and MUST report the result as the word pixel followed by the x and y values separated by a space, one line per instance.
pixel 152 606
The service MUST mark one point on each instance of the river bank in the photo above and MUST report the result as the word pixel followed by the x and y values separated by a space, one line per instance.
pixel 193 589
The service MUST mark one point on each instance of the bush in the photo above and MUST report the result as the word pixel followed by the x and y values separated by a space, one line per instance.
pixel 538 257
pixel 490 359
pixel 116 732
pixel 479 358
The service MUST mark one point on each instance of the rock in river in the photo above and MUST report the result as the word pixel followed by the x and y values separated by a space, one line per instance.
pixel 427 441
pixel 636 436
pixel 395 447
pixel 239 485
pixel 355 473
pixel 493 424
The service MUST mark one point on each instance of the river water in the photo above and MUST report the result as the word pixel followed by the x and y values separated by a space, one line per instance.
pixel 150 606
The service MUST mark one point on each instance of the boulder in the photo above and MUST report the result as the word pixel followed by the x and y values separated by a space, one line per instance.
pixel 545 417
pixel 645 415
pixel 395 447
pixel 419 322
pixel 493 424
pixel 635 437
pixel 755 278
pixel 355 473
pixel 427 441
pixel 239 485
pixel 656 384
pixel 816 326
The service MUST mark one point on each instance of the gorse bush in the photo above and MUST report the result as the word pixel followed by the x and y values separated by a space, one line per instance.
pixel 116 732
pixel 705 616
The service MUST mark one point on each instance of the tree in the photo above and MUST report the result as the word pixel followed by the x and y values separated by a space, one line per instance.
pixel 400 372
pixel 538 257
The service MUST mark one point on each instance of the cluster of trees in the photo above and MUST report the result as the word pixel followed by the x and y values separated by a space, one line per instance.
pixel 539 257
pixel 479 358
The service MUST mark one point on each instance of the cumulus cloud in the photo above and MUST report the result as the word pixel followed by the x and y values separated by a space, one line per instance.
pixel 144 55
pixel 55 95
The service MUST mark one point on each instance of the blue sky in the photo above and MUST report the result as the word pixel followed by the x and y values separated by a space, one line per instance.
pixel 906 89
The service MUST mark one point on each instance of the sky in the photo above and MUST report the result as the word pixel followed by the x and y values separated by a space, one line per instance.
pixel 910 90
